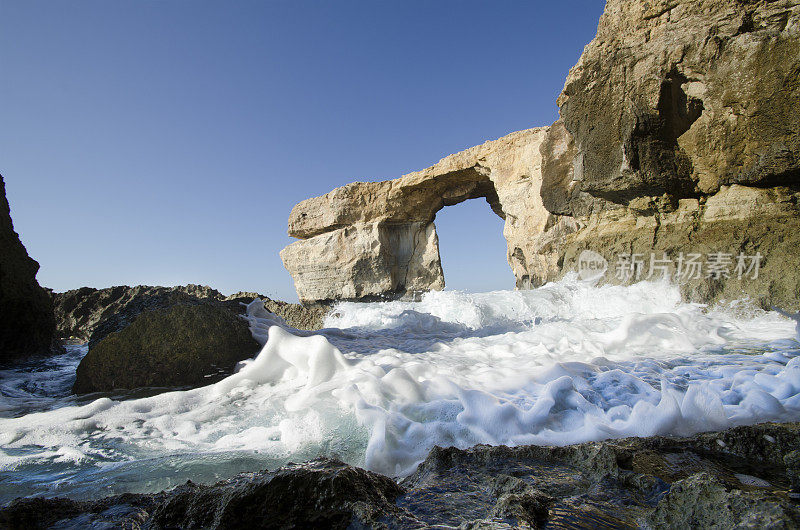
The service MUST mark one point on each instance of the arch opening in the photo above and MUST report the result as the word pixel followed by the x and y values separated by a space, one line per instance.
pixel 472 248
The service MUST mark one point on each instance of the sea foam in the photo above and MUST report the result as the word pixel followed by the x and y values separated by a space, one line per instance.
pixel 385 382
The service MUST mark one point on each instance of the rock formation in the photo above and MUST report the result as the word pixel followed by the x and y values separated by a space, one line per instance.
pixel 164 336
pixel 746 477
pixel 182 345
pixel 27 324
pixel 678 135
pixel 377 239
pixel 88 314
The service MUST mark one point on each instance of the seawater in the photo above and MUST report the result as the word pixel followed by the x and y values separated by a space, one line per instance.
pixel 385 382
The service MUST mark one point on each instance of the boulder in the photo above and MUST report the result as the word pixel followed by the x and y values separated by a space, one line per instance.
pixel 27 324
pixel 88 314
pixel 182 345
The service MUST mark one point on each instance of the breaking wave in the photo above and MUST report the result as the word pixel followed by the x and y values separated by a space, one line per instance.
pixel 385 382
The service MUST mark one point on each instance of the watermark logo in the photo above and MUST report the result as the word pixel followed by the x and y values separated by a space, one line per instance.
pixel 591 265
pixel 683 267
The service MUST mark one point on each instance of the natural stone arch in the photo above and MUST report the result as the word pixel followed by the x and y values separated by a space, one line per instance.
pixel 377 240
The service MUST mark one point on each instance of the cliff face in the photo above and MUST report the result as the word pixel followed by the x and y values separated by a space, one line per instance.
pixel 679 134
pixel 678 142
pixel 682 97
pixel 27 324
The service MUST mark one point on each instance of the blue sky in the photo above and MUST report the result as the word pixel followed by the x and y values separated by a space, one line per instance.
pixel 165 142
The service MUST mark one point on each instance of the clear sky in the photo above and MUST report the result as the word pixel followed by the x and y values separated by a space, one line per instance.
pixel 165 142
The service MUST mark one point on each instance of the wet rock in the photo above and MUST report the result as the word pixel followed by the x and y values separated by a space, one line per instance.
pixel 27 325
pixel 739 478
pixel 704 501
pixel 127 511
pixel 323 494
pixel 181 345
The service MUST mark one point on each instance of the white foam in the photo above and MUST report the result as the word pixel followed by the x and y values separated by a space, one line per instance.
pixel 385 382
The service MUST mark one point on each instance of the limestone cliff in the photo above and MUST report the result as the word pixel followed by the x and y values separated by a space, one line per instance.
pixel 678 137
pixel 679 134
pixel 27 324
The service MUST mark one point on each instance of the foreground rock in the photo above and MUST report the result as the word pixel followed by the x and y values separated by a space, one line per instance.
pixel 27 325
pixel 678 136
pixel 164 336
pixel 747 477
pixel 182 345
pixel 88 314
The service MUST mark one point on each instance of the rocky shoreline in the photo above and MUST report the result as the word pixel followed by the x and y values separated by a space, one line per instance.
pixel 677 137
pixel 744 477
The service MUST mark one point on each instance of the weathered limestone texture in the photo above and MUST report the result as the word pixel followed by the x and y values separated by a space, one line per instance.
pixel 371 240
pixel 679 133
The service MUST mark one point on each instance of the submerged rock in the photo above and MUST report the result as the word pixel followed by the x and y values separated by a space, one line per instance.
pixel 27 325
pixel 739 478
pixel 182 345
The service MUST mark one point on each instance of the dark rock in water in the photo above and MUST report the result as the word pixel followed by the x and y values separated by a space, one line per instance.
pixel 320 494
pixel 88 314
pixel 128 511
pixel 182 345
pixel 79 312
pixel 739 478
pixel 156 336
pixel 27 324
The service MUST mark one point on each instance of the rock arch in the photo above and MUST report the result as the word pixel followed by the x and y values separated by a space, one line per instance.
pixel 377 240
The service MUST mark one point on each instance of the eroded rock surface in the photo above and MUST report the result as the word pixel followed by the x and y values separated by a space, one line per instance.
pixel 88 314
pixel 678 134
pixel 181 345
pixel 27 326
pixel 746 477
pixel 165 336
pixel 371 240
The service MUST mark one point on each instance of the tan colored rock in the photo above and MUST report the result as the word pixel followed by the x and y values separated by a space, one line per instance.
pixel 678 133
pixel 683 96
pixel 366 261
pixel 378 239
